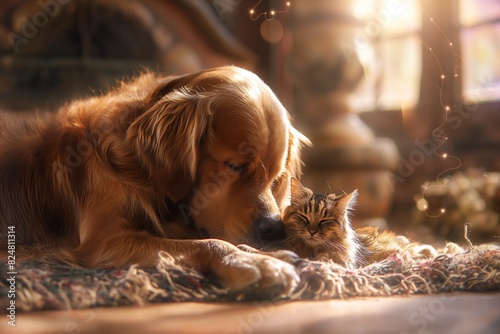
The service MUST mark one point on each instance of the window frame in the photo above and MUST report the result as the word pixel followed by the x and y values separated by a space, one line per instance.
pixel 428 113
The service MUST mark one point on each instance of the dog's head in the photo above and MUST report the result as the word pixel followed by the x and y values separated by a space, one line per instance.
pixel 222 147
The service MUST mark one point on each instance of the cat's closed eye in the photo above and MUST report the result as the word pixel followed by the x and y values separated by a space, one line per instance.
pixel 328 222
pixel 302 218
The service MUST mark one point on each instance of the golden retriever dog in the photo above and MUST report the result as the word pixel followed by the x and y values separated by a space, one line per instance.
pixel 190 165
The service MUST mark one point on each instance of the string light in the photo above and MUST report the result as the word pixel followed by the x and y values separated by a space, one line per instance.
pixel 439 182
pixel 445 36
pixel 267 16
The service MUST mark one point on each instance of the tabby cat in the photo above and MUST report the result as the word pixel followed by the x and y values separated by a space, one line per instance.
pixel 318 227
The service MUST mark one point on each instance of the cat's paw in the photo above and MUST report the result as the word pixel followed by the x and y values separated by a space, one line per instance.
pixel 451 248
pixel 423 251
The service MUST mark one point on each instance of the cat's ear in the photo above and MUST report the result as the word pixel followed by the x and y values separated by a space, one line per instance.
pixel 347 202
pixel 297 190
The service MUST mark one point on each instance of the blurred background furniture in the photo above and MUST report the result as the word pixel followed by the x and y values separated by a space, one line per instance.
pixel 345 155
pixel 52 51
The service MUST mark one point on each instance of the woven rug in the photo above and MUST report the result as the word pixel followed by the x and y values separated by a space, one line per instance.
pixel 45 284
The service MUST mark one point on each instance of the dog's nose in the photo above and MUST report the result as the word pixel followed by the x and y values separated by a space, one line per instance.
pixel 269 228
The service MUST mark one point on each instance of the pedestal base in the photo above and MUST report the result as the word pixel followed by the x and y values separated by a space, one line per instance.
pixel 363 167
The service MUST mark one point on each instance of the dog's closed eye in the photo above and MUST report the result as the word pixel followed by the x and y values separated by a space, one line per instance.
pixel 236 167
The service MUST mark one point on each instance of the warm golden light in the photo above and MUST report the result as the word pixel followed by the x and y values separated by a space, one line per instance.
pixel 268 16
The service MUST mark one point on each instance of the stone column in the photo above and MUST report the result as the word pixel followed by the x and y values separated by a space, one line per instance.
pixel 346 154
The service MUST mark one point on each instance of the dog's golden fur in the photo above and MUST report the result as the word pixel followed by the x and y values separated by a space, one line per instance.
pixel 175 164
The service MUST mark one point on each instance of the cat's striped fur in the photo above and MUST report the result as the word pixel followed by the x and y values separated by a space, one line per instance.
pixel 318 227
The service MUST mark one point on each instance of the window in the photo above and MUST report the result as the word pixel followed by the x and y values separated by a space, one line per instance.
pixel 405 44
pixel 479 23
pixel 389 47
pixel 417 85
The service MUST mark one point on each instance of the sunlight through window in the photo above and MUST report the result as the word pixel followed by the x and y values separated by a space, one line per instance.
pixel 389 48
pixel 480 38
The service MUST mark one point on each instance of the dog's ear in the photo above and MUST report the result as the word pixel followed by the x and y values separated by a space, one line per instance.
pixel 168 135
pixel 168 84
pixel 293 166
pixel 296 141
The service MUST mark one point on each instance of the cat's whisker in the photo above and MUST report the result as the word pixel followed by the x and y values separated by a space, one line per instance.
pixel 290 241
pixel 334 245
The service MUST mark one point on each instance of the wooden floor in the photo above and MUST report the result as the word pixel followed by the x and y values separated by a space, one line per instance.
pixel 447 313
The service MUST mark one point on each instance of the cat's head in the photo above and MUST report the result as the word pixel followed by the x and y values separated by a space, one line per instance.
pixel 317 219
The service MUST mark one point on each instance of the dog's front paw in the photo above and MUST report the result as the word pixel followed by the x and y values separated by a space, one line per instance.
pixel 282 254
pixel 257 275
